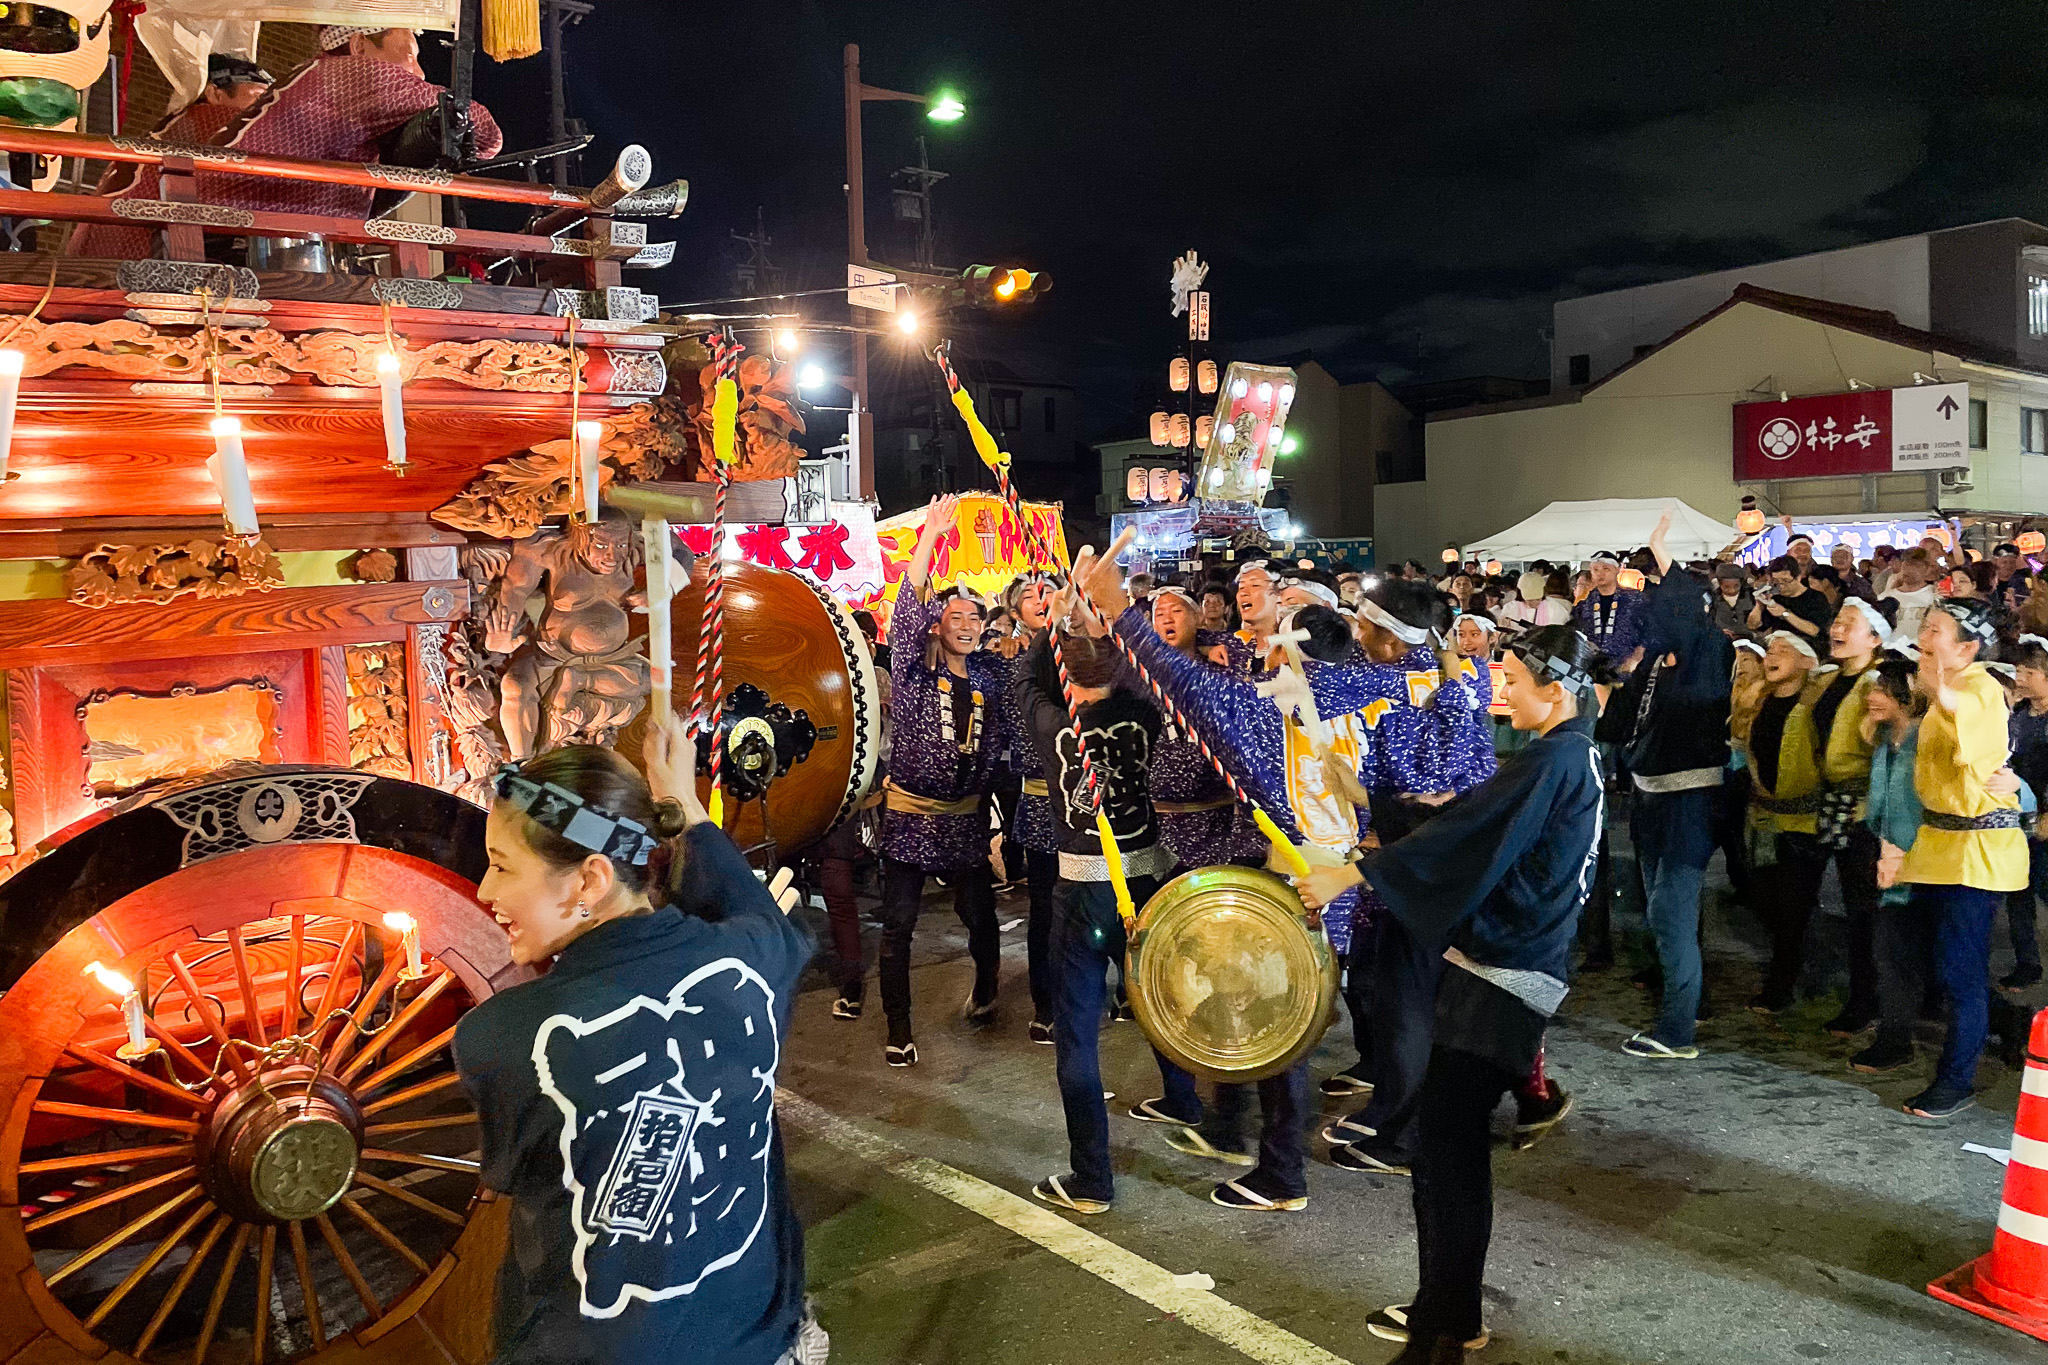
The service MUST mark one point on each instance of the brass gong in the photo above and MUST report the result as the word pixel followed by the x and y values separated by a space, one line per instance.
pixel 1226 977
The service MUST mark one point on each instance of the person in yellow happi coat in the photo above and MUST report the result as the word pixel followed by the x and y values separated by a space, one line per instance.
pixel 1970 849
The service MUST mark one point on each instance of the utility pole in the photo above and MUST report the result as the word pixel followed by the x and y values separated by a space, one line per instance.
pixel 560 14
pixel 917 199
pixel 757 274
pixel 860 433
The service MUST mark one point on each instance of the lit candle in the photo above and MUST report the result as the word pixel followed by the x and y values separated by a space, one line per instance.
pixel 661 589
pixel 588 435
pixel 391 381
pixel 139 1043
pixel 10 389
pixel 230 470
pixel 409 929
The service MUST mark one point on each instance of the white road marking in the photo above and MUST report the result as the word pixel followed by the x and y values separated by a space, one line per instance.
pixel 1246 1333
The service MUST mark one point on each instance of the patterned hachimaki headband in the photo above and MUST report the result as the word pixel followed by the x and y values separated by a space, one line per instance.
pixel 1550 668
pixel 562 811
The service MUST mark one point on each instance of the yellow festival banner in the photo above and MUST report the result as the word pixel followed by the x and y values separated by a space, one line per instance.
pixel 983 551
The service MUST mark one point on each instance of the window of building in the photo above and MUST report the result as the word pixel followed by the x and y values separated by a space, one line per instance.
pixel 1979 423
pixel 2034 430
pixel 1009 406
pixel 1582 369
pixel 1052 411
pixel 2037 306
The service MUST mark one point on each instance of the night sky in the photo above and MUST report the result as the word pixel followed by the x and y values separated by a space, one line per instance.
pixel 1402 188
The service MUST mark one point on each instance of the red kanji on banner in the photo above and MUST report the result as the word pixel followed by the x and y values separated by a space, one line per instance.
pixel 698 538
pixel 1011 538
pixel 766 546
pixel 824 550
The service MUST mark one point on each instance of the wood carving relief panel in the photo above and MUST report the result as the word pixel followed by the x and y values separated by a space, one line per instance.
pixel 512 498
pixel 113 574
pixel 378 739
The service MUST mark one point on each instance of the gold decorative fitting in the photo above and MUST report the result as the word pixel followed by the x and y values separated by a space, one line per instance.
pixel 391 230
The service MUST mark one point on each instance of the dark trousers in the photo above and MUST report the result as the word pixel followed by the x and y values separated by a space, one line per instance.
pixel 1089 936
pixel 1905 970
pixel 1282 1171
pixel 1453 1167
pixel 1045 875
pixel 2019 908
pixel 974 901
pixel 1790 892
pixel 1404 980
pixel 842 911
pixel 1962 918
pixel 1731 816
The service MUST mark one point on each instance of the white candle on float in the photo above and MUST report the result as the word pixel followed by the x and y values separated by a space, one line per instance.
pixel 230 470
pixel 139 1043
pixel 409 931
pixel 11 363
pixel 588 435
pixel 655 538
pixel 390 381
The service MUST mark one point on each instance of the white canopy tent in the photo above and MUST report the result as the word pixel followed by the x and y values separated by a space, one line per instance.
pixel 1575 531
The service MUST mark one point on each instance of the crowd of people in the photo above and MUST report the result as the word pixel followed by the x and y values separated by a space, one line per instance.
pixel 1446 758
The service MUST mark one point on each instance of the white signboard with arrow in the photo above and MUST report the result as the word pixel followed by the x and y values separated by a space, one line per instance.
pixel 1931 427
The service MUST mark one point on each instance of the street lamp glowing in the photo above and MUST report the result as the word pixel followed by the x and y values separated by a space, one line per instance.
pixel 811 377
pixel 788 342
pixel 1289 445
pixel 946 108
pixel 906 323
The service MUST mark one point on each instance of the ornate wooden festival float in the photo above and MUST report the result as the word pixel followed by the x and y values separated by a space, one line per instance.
pixel 290 563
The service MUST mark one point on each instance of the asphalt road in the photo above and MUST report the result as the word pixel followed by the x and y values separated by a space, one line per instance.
pixel 1761 1204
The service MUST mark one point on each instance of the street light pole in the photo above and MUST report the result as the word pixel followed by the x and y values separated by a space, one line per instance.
pixel 861 425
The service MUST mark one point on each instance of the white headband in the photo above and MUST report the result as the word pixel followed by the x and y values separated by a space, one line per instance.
pixel 1381 617
pixel 1797 642
pixel 1752 646
pixel 1871 616
pixel 2034 640
pixel 1483 622
pixel 1182 593
pixel 1313 589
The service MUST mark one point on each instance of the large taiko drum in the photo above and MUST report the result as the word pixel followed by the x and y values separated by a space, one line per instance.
pixel 1226 977
pixel 802 713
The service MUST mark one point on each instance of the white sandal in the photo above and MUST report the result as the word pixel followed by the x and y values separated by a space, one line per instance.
pixel 1253 1200
pixel 1643 1045
pixel 1186 1139
pixel 1052 1192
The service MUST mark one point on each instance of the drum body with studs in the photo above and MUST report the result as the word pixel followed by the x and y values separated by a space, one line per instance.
pixel 802 707
pixel 1225 976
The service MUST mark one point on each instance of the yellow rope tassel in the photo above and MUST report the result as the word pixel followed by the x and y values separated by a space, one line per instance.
pixel 1114 856
pixel 984 444
pixel 716 810
pixel 1282 845
pixel 725 409
pixel 511 29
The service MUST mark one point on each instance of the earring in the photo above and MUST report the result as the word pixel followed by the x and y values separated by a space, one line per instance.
pixel 582 909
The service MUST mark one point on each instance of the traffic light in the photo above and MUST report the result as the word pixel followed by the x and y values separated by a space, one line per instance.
pixel 1003 286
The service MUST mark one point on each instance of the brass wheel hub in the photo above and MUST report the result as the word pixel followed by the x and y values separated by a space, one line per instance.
pixel 281 1147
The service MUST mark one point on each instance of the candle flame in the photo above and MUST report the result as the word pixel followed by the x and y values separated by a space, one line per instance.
pixel 12 361
pixel 227 426
pixel 113 981
pixel 400 921
pixel 387 363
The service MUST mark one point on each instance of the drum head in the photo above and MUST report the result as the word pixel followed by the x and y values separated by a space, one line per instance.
pixel 1226 978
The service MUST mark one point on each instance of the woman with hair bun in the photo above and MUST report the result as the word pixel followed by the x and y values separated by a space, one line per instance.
pixel 626 1098
pixel 1495 885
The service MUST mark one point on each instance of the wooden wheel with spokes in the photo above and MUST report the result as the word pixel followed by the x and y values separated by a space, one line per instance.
pixel 287 1166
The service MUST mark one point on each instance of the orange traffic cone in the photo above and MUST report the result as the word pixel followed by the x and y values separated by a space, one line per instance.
pixel 2010 1285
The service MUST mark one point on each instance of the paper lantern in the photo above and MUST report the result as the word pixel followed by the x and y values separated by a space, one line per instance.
pixel 2030 542
pixel 1137 485
pixel 1492 567
pixel 1161 430
pixel 1941 537
pixel 1205 376
pixel 1205 427
pixel 1631 578
pixel 1177 374
pixel 1450 554
pixel 1164 485
pixel 1750 520
pixel 1177 429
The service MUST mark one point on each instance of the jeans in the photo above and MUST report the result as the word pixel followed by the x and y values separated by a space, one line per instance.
pixel 1453 1169
pixel 1962 918
pixel 1087 938
pixel 1404 981
pixel 974 901
pixel 1282 1172
pixel 1790 894
pixel 1905 961
pixel 1044 869
pixel 2019 908
pixel 1673 835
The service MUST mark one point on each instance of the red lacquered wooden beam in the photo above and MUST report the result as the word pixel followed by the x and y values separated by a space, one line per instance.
pixel 143 150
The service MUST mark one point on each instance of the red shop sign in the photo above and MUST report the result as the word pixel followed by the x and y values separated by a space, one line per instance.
pixel 1865 431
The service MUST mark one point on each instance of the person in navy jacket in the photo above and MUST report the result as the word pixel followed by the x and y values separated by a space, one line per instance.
pixel 626 1099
